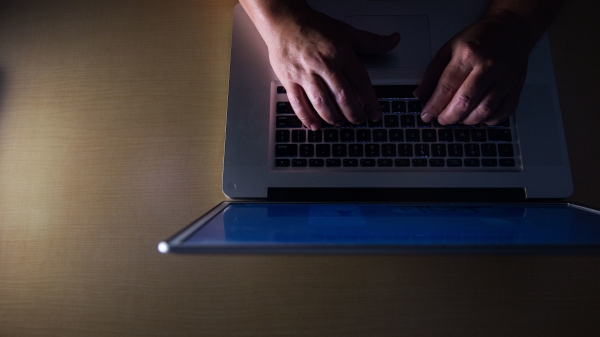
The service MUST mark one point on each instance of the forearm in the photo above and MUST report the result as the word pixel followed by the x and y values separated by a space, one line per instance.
pixel 534 15
pixel 269 15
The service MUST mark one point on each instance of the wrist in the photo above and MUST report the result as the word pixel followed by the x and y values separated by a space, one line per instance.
pixel 517 25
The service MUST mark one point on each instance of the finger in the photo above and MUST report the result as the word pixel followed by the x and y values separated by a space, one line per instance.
pixel 302 107
pixel 320 97
pixel 433 72
pixel 489 103
pixel 369 43
pixel 468 96
pixel 344 96
pixel 449 83
pixel 506 108
pixel 363 88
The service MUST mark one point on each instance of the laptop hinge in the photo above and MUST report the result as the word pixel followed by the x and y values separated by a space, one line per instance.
pixel 397 194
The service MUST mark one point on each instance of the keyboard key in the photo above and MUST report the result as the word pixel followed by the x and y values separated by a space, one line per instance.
pixel 472 162
pixel 307 150
pixel 445 135
pixel 350 162
pixel 438 150
pixel 315 136
pixel 339 150
pixel 488 162
pixel 281 90
pixel 385 107
pixel 402 162
pixel 323 150
pixel 298 136
pixel 363 135
pixel 429 136
pixel 316 162
pixel 472 150
pixel 331 135
pixel 399 107
pixel 282 162
pixel 372 150
pixel 286 150
pixel 391 121
pixel 506 150
pixel 478 135
pixel 437 163
pixel 284 108
pixel 380 135
pixel 388 150
pixel 419 162
pixel 421 150
pixel 384 162
pixel 356 150
pixel 499 135
pixel 396 135
pixel 414 106
pixel 367 162
pixel 290 121
pixel 422 124
pixel 455 150
pixel 282 136
pixel 299 162
pixel 405 150
pixel 488 150
pixel 378 124
pixel 462 135
pixel 407 121
pixel 413 135
pixel 507 162
pixel 333 162
pixel 347 135
pixel 454 162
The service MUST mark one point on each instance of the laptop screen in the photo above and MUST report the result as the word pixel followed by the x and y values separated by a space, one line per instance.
pixel 273 225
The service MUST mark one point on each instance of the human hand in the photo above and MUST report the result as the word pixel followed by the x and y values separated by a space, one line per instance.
pixel 477 77
pixel 314 57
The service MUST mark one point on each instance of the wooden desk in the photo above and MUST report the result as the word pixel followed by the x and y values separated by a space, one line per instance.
pixel 112 118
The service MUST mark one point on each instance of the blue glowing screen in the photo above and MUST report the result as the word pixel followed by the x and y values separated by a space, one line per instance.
pixel 390 224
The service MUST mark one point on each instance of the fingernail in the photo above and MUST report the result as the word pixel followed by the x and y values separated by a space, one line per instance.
pixel 314 126
pixel 426 117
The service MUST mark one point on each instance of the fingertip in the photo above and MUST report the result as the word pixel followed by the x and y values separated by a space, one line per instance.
pixel 314 126
pixel 426 117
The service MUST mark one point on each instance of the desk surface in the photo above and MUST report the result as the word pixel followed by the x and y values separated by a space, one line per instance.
pixel 112 119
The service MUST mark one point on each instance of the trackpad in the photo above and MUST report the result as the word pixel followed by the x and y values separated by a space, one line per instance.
pixel 414 49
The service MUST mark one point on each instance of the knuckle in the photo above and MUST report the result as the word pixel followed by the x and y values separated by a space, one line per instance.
pixel 483 112
pixel 343 98
pixel 463 102
pixel 467 50
pixel 446 89
pixel 318 102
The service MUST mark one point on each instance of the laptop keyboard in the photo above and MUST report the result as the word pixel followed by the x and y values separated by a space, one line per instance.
pixel 399 141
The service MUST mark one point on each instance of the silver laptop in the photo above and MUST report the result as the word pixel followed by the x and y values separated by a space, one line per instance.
pixel 269 154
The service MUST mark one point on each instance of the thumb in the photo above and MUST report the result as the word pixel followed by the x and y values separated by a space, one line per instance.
pixel 369 43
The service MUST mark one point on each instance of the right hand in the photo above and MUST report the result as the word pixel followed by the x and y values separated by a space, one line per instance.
pixel 314 57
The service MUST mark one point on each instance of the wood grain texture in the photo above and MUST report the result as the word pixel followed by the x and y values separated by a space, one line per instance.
pixel 112 119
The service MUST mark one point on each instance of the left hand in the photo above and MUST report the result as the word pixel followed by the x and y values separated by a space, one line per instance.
pixel 477 77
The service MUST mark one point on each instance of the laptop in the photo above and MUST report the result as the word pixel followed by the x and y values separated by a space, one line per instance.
pixel 268 154
pixel 399 185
